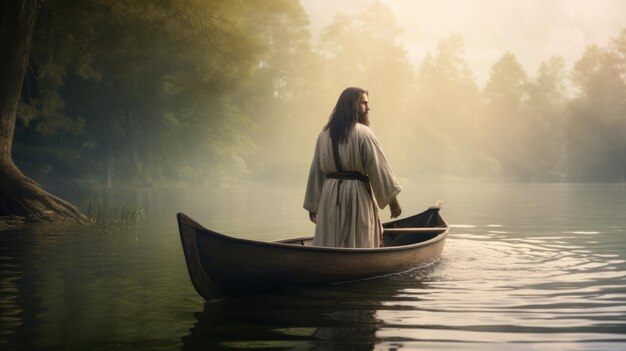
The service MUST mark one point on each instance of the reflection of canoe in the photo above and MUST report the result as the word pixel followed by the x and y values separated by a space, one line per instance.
pixel 220 265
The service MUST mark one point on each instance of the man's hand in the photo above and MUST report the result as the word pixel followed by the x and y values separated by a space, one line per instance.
pixel 313 217
pixel 394 207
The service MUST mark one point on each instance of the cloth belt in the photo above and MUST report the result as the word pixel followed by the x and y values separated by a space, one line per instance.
pixel 348 175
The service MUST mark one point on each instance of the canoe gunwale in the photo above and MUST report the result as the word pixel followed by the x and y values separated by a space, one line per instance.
pixel 185 220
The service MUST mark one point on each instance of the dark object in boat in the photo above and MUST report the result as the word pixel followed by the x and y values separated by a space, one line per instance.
pixel 221 265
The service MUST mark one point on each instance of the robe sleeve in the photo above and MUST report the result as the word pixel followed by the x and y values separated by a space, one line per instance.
pixel 384 183
pixel 315 181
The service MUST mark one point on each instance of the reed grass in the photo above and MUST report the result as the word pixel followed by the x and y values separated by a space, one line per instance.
pixel 114 213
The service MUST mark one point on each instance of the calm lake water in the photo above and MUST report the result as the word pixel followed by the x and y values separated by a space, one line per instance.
pixel 526 267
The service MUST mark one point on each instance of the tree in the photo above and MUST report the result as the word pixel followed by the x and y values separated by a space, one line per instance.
pixel 596 132
pixel 448 103
pixel 148 82
pixel 545 111
pixel 21 195
pixel 504 125
pixel 365 50
pixel 281 95
pixel 133 85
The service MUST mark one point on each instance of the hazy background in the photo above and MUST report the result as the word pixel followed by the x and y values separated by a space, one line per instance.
pixel 532 30
pixel 228 93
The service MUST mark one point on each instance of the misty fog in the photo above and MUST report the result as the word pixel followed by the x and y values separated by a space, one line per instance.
pixel 225 93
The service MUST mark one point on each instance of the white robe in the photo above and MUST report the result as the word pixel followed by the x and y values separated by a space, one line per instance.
pixel 353 223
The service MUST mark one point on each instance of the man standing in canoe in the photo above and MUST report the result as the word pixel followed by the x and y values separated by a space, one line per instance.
pixel 349 178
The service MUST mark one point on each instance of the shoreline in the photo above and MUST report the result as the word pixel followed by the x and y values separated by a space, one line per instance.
pixel 12 222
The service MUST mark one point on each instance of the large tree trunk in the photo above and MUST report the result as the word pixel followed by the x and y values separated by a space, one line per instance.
pixel 20 195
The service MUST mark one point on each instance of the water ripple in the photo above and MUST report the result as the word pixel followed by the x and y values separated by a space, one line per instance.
pixel 514 277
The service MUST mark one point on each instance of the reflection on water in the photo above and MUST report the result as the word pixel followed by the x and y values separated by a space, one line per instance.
pixel 340 316
pixel 324 317
pixel 539 267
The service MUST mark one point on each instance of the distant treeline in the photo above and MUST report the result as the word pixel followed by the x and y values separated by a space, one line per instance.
pixel 215 93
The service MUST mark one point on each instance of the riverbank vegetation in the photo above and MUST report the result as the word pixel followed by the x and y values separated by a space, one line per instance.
pixel 215 93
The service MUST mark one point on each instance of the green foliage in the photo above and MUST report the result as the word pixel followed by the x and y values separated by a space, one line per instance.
pixel 132 72
pixel 218 92
pixel 278 101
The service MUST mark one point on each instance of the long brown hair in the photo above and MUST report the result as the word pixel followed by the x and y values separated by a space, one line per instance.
pixel 345 114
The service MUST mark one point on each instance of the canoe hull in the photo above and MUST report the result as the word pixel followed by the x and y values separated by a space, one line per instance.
pixel 221 266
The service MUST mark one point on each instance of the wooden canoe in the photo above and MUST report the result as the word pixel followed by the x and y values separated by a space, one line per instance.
pixel 220 265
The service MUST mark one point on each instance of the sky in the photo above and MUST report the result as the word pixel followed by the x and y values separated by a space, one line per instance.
pixel 532 30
